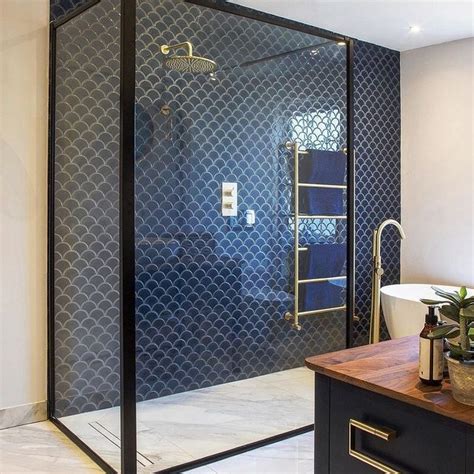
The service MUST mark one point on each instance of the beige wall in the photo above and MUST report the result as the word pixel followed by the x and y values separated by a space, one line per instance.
pixel 23 180
pixel 438 163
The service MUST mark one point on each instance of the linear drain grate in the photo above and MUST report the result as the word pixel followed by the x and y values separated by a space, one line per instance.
pixel 114 439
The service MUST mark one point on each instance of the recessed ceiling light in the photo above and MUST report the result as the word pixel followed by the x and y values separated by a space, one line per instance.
pixel 341 43
pixel 414 29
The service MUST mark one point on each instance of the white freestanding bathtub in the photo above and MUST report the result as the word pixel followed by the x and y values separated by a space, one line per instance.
pixel 403 312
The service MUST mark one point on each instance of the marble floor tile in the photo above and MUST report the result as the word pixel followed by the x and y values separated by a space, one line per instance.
pixel 186 426
pixel 288 375
pixel 291 456
pixel 41 448
pixel 103 436
pixel 22 414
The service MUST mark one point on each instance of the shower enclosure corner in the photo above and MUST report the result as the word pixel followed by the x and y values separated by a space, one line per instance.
pixel 200 227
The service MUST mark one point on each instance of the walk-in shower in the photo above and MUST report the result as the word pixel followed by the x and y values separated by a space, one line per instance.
pixel 178 324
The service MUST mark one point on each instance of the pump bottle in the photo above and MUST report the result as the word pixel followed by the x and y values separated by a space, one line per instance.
pixel 431 362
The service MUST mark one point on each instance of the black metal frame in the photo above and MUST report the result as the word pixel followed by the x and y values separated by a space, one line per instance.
pixel 50 267
pixel 128 396
pixel 350 296
pixel 235 451
pixel 127 227
pixel 235 9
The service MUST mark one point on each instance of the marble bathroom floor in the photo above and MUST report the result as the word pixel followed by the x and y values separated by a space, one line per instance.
pixel 291 456
pixel 191 425
pixel 41 448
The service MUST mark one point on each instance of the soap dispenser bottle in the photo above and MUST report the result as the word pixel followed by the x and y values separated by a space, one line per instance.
pixel 431 361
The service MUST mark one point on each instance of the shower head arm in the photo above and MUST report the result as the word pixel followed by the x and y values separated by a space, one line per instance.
pixel 166 48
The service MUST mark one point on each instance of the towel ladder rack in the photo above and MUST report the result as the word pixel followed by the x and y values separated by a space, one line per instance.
pixel 294 317
pixel 317 280
pixel 309 216
pixel 329 186
pixel 318 216
pixel 323 310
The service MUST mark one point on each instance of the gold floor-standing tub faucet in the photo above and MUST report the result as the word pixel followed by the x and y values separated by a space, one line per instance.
pixel 377 272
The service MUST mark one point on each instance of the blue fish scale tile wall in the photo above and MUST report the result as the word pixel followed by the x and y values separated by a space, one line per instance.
pixel 377 170
pixel 86 216
pixel 60 8
pixel 210 292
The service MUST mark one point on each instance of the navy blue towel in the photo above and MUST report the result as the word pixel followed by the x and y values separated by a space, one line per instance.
pixel 322 167
pixel 322 295
pixel 322 261
pixel 321 201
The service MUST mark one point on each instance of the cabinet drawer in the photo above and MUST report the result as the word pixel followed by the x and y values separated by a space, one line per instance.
pixel 424 442
pixel 470 452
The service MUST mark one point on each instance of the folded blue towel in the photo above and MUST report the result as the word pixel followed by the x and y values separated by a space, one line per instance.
pixel 322 260
pixel 321 201
pixel 322 295
pixel 322 167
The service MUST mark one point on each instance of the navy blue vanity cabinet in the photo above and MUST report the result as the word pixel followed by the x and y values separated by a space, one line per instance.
pixel 372 415
pixel 470 452
pixel 422 442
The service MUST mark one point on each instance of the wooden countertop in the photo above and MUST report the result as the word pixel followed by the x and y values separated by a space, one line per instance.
pixel 391 369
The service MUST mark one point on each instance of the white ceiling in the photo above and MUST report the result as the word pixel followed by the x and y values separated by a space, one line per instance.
pixel 383 22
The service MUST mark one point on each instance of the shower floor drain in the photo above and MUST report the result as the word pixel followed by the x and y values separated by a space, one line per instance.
pixel 114 439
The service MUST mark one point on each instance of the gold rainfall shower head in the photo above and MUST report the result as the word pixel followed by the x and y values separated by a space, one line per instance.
pixel 188 62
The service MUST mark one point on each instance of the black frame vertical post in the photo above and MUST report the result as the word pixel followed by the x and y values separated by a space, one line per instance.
pixel 350 191
pixel 50 268
pixel 128 432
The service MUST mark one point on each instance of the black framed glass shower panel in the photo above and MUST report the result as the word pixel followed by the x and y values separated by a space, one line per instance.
pixel 212 292
pixel 90 296
pixel 124 202
pixel 349 198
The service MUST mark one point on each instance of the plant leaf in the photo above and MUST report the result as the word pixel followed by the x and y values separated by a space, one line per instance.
pixel 454 333
pixel 453 297
pixel 433 302
pixel 442 331
pixel 450 312
pixel 455 350
pixel 467 313
pixel 462 292
pixel 457 353
pixel 468 301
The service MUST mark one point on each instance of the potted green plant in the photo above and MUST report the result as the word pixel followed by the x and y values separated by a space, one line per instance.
pixel 459 308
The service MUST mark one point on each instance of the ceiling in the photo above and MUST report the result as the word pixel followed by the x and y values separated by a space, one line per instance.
pixel 383 22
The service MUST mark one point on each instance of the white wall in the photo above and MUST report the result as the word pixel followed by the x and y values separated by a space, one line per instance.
pixel 23 184
pixel 437 85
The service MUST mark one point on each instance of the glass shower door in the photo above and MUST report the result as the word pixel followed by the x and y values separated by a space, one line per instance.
pixel 218 364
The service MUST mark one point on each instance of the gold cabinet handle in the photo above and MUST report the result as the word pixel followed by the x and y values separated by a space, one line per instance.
pixel 381 432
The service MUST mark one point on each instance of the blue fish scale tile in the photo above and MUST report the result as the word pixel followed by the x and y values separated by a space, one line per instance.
pixel 237 279
pixel 377 170
pixel 86 248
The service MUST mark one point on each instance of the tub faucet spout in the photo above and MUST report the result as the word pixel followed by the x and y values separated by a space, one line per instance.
pixel 377 272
